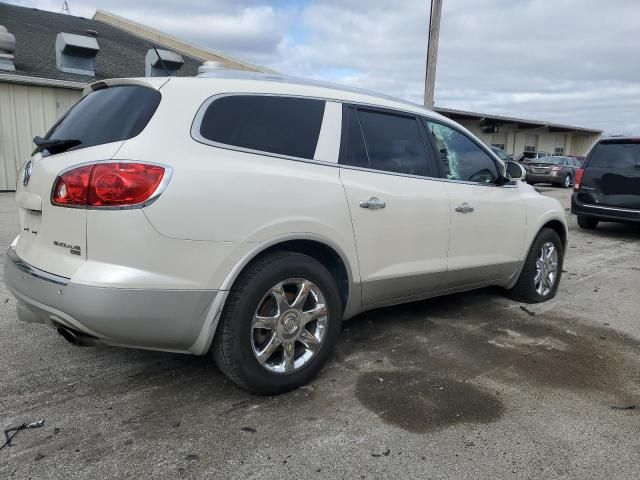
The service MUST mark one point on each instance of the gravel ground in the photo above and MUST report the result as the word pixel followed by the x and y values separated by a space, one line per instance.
pixel 466 386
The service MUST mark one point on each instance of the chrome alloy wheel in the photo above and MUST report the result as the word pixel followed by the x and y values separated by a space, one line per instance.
pixel 546 269
pixel 289 325
pixel 567 181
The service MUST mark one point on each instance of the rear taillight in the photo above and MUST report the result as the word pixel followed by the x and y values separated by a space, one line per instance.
pixel 109 184
pixel 578 180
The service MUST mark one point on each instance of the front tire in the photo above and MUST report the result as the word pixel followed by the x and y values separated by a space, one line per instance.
pixel 588 223
pixel 280 323
pixel 540 275
pixel 567 182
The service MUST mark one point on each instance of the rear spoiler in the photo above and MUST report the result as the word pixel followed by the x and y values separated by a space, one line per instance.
pixel 152 82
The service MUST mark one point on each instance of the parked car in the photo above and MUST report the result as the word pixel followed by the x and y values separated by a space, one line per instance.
pixel 527 157
pixel 607 187
pixel 248 215
pixel 558 171
pixel 502 155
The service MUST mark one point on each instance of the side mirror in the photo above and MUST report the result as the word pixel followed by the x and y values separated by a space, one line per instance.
pixel 515 171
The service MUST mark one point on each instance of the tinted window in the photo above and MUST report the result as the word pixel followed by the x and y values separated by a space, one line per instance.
pixel 462 159
pixel 394 143
pixel 282 125
pixel 615 155
pixel 354 152
pixel 107 115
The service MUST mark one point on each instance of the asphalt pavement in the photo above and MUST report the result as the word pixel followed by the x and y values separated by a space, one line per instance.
pixel 467 386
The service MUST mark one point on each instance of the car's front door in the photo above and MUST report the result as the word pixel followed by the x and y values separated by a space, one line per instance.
pixel 487 220
pixel 400 215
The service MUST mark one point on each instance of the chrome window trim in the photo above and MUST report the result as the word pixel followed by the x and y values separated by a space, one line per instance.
pixel 511 184
pixel 197 121
pixel 33 271
pixel 168 173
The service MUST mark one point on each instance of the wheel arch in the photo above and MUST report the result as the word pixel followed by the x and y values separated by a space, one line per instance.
pixel 558 227
pixel 316 246
pixel 554 224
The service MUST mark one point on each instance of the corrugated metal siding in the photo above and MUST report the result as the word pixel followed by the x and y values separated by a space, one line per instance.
pixel 26 111
pixel 581 144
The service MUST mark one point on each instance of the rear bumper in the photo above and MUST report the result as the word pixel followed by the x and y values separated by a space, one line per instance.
pixel 170 320
pixel 543 178
pixel 604 212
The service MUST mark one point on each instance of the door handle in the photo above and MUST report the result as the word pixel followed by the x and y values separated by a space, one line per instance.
pixel 374 203
pixel 464 207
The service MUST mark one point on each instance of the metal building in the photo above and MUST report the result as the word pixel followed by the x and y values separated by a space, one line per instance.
pixel 517 135
pixel 47 58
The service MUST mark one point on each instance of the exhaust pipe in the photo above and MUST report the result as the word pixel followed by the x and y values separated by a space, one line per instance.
pixel 78 339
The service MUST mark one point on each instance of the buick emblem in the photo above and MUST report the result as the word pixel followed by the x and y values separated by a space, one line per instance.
pixel 26 175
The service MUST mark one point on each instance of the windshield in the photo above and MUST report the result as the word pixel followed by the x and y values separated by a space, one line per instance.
pixel 104 116
pixel 501 153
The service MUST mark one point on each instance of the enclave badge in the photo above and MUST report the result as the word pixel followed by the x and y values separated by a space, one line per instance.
pixel 26 175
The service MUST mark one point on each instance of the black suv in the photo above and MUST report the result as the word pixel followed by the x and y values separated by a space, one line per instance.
pixel 607 188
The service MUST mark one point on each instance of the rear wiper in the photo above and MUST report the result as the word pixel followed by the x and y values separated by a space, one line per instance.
pixel 54 145
pixel 56 142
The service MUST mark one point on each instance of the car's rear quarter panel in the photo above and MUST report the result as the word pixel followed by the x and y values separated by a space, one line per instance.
pixel 222 203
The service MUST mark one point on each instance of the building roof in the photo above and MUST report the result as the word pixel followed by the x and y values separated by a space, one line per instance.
pixel 121 53
pixel 175 43
pixel 520 123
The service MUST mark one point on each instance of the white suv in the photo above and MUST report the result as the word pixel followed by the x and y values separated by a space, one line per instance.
pixel 249 214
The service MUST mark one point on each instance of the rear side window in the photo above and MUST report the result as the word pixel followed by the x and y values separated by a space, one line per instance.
pixel 280 125
pixel 355 153
pixel 394 143
pixel 615 155
pixel 107 115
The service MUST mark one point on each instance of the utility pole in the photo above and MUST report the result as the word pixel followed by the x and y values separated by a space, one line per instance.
pixel 65 8
pixel 432 52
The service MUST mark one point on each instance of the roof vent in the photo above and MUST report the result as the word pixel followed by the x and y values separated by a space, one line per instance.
pixel 162 63
pixel 7 47
pixel 210 66
pixel 76 54
pixel 93 33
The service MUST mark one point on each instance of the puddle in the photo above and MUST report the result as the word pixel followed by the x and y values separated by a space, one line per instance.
pixel 466 340
pixel 416 402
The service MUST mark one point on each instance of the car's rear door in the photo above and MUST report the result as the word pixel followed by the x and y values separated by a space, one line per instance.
pixel 612 175
pixel 399 212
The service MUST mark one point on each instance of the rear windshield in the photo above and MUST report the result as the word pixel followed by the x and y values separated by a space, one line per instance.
pixel 615 155
pixel 106 115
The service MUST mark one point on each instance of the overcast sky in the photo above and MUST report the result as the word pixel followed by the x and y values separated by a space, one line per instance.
pixel 567 61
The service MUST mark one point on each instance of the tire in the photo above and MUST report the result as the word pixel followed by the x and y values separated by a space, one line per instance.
pixel 525 290
pixel 238 342
pixel 588 223
pixel 567 182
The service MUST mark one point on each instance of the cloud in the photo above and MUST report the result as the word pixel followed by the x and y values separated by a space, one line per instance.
pixel 569 61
